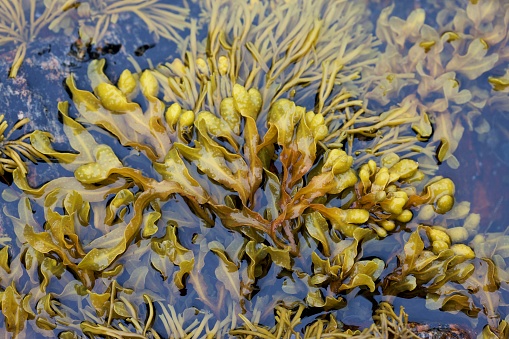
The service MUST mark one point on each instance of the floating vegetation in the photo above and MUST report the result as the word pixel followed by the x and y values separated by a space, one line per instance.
pixel 427 67
pixel 95 16
pixel 247 187
pixel 12 151
pixel 387 324
pixel 22 21
pixel 19 24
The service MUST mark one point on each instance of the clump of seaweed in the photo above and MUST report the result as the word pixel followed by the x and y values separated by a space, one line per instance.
pixel 428 71
pixel 22 21
pixel 12 151
pixel 283 167
pixel 230 170
pixel 95 16
pixel 19 24
pixel 387 324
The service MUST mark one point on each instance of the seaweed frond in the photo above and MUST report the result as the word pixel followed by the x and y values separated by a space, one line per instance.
pixel 11 151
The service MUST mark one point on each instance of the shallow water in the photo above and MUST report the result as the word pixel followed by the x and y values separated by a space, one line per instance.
pixel 481 179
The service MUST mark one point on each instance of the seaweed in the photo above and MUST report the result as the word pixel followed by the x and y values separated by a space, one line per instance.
pixel 20 25
pixel 21 22
pixel 12 151
pixel 164 20
pixel 243 165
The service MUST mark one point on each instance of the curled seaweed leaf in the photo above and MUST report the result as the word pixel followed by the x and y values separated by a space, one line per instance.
pixel 173 169
pixel 475 62
pixel 15 310
pixel 94 172
pixel 226 168
pixel 318 228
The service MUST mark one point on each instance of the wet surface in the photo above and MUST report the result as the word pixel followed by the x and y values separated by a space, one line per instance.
pixel 483 177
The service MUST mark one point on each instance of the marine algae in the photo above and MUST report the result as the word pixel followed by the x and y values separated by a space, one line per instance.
pixel 12 151
pixel 250 187
pixel 19 27
pixel 22 21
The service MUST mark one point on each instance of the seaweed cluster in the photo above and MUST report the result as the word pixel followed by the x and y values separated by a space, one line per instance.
pixel 20 28
pixel 23 21
pixel 433 65
pixel 247 183
pixel 93 17
pixel 12 151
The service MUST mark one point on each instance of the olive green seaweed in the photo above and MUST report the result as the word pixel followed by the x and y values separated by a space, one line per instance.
pixel 427 64
pixel 12 152
pixel 95 17
pixel 244 185
pixel 22 21
pixel 19 24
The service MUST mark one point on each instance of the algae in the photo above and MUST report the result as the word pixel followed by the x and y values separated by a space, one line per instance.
pixel 268 166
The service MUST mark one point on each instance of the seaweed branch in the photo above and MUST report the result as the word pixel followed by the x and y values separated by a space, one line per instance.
pixel 11 151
